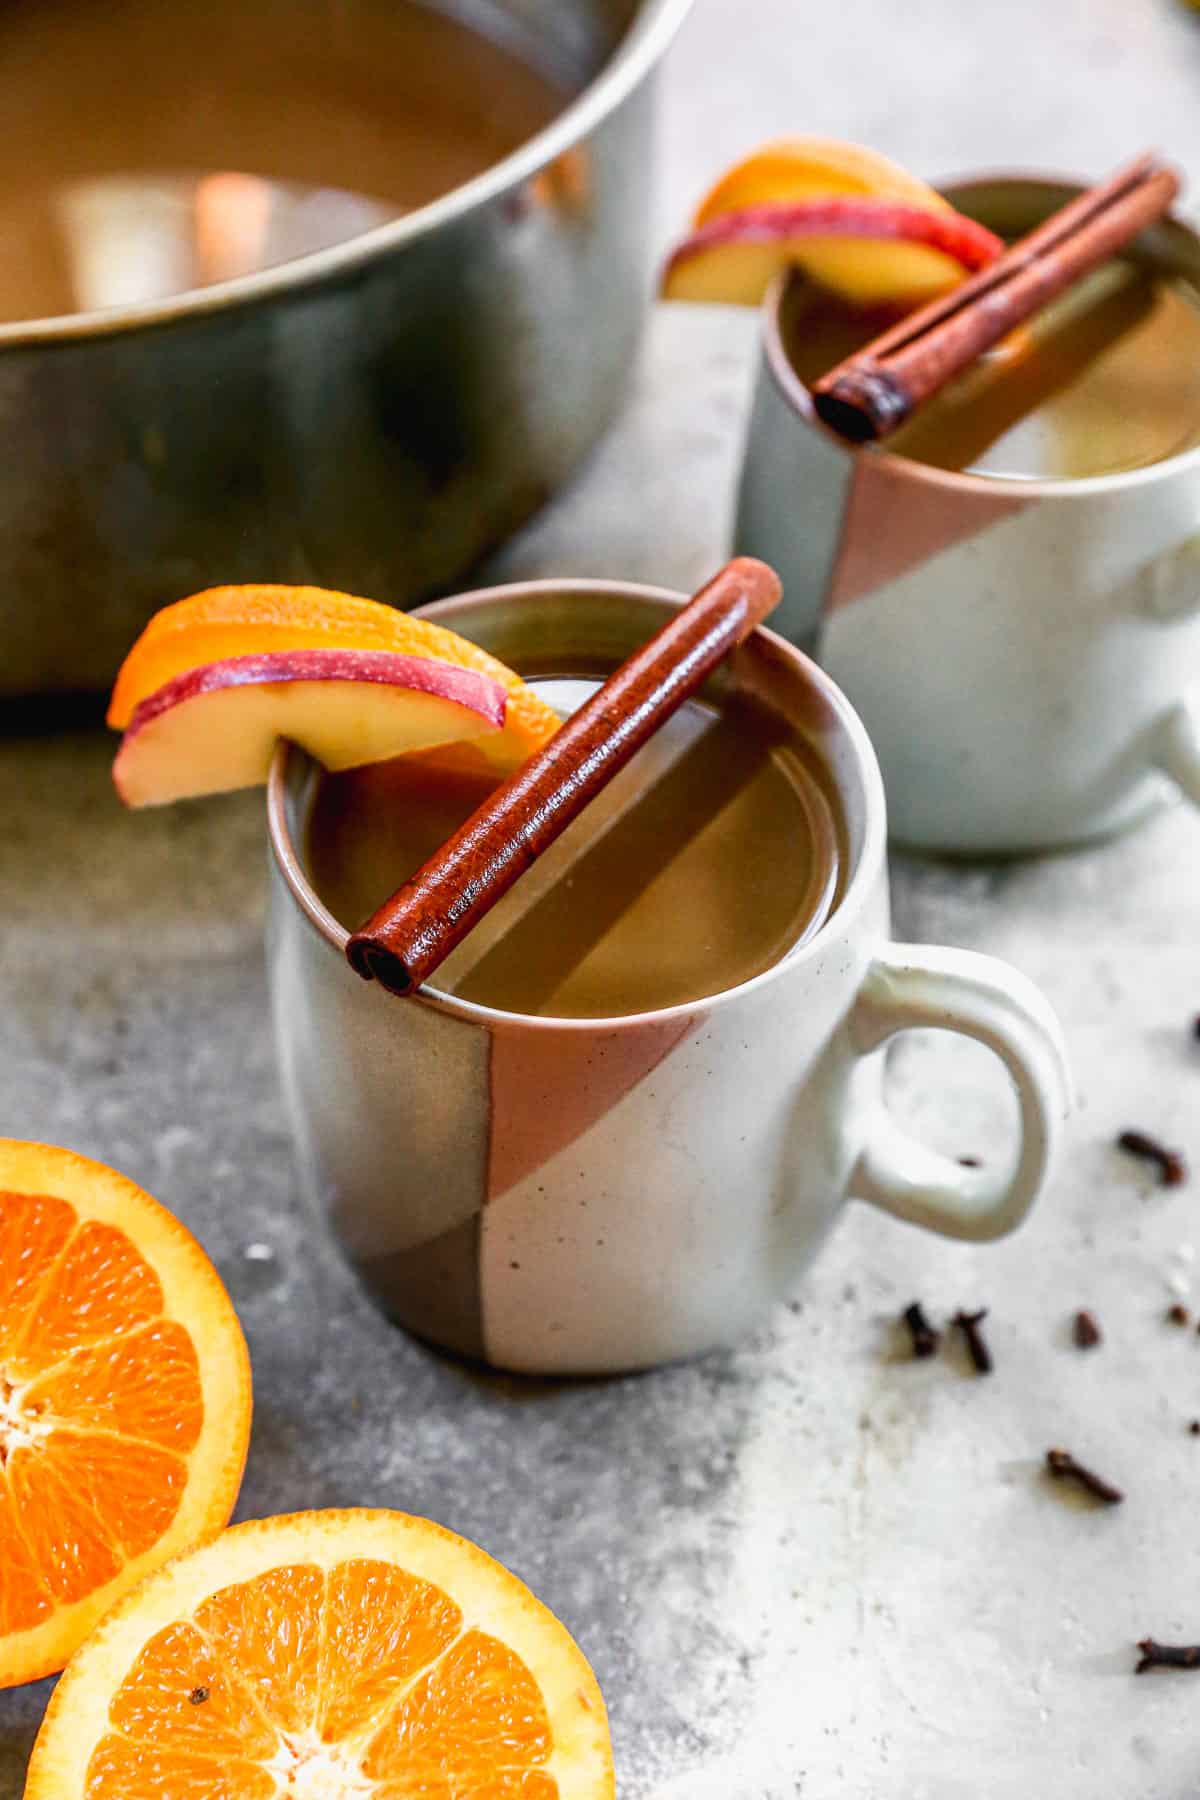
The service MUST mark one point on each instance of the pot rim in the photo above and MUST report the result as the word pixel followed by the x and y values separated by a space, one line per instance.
pixel 644 43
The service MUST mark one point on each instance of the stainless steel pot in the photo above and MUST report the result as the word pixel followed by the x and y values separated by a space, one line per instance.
pixel 371 417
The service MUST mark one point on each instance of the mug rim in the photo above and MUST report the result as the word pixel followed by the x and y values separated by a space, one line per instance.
pixel 799 400
pixel 861 878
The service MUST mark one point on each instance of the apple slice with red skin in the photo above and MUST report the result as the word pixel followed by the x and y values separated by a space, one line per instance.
pixel 214 727
pixel 870 250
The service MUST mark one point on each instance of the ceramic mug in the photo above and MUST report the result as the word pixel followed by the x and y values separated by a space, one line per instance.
pixel 1020 651
pixel 576 1196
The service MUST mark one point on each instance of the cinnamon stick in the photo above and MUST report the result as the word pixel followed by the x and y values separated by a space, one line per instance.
pixel 882 385
pixel 403 942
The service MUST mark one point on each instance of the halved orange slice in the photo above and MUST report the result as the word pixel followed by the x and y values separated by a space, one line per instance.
pixel 226 625
pixel 124 1398
pixel 327 1656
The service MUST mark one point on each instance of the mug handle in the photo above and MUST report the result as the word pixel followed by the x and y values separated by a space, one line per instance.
pixel 1177 751
pixel 911 985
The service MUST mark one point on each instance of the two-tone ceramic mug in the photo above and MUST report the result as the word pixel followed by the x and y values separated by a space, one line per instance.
pixel 1021 652
pixel 567 1196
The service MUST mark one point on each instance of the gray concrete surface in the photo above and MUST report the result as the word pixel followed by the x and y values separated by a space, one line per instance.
pixel 811 1567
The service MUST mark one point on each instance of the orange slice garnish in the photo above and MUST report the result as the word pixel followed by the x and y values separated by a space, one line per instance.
pixel 327 1656
pixel 226 623
pixel 853 220
pixel 814 168
pixel 124 1398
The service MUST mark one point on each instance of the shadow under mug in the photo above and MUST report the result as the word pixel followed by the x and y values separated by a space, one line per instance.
pixel 578 1196
pixel 1020 651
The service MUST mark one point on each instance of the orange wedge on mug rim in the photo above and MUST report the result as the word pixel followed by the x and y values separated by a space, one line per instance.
pixel 852 219
pixel 814 168
pixel 124 1399
pixel 215 679
pixel 318 1654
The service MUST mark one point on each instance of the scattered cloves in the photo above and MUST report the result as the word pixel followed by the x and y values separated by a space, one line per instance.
pixel 1178 1314
pixel 1085 1330
pixel 925 1339
pixel 1167 1656
pixel 198 1696
pixel 1063 1466
pixel 1172 1169
pixel 968 1324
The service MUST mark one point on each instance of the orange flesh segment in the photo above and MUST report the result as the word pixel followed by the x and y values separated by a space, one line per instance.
pixel 134 1488
pixel 247 621
pixel 155 1706
pixel 71 1548
pixel 364 1674
pixel 383 1626
pixel 101 1288
pixel 120 1770
pixel 100 1402
pixel 33 1230
pixel 268 1633
pixel 478 1710
pixel 145 1386
pixel 24 1598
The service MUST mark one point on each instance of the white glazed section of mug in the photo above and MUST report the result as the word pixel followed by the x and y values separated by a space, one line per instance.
pixel 1017 682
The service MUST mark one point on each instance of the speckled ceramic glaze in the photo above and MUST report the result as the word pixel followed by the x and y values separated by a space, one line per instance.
pixel 573 1196
pixel 1024 654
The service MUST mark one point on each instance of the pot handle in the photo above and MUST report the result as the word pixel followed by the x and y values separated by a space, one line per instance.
pixel 1177 751
pixel 911 985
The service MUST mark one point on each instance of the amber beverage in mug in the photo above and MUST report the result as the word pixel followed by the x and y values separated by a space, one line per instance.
pixel 696 870
pixel 622 1117
pixel 1006 587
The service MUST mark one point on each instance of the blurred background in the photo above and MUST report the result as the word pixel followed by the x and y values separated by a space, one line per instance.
pixel 808 1569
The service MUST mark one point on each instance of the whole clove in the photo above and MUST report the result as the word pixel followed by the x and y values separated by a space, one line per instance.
pixel 969 1324
pixel 1063 1466
pixel 1085 1330
pixel 1172 1169
pixel 198 1696
pixel 1178 1314
pixel 1167 1656
pixel 925 1338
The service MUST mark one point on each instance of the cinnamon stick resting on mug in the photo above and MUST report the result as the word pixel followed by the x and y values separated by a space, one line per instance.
pixel 411 934
pixel 879 387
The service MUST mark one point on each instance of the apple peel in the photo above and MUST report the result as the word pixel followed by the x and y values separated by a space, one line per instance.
pixel 871 250
pixel 214 728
